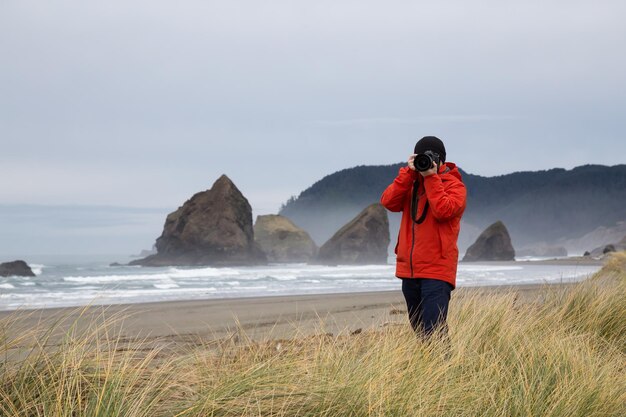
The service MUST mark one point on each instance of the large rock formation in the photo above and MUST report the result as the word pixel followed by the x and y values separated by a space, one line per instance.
pixel 494 244
pixel 611 247
pixel 15 268
pixel 363 240
pixel 598 238
pixel 283 241
pixel 214 227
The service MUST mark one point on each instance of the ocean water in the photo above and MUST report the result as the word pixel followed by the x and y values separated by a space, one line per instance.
pixel 74 284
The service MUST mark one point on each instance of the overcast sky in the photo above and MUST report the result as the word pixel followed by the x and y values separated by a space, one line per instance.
pixel 143 103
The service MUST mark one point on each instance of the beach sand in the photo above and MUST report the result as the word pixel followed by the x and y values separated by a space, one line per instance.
pixel 181 323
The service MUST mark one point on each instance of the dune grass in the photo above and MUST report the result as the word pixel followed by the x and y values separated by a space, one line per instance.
pixel 562 356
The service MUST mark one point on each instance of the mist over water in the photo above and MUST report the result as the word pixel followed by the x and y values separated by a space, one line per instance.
pixel 322 225
pixel 85 232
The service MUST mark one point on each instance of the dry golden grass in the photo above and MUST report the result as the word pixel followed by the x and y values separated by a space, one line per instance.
pixel 565 356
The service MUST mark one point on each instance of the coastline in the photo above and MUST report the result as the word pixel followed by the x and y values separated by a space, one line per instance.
pixel 222 356
pixel 571 260
pixel 256 318
pixel 74 285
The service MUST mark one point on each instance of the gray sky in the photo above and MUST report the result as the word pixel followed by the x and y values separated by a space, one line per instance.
pixel 143 103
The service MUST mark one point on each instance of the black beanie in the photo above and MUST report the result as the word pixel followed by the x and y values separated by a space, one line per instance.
pixel 431 143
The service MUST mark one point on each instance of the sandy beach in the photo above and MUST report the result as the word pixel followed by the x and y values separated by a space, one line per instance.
pixel 259 318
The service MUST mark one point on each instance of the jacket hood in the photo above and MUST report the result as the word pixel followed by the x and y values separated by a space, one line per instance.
pixel 449 169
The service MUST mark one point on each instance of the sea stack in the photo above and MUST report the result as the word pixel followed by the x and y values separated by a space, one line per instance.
pixel 494 244
pixel 16 268
pixel 282 240
pixel 363 240
pixel 213 227
pixel 608 248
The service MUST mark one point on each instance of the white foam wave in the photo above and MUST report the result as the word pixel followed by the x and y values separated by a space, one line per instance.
pixel 165 286
pixel 144 294
pixel 102 279
pixel 202 272
pixel 7 286
pixel 171 273
pixel 488 268
pixel 353 275
pixel 286 277
pixel 36 268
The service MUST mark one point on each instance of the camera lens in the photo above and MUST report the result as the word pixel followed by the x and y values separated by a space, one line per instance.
pixel 423 162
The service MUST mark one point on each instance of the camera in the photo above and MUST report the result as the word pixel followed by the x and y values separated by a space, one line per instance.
pixel 424 161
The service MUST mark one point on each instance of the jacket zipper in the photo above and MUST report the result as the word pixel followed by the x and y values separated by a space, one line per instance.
pixel 412 233
pixel 413 223
pixel 412 244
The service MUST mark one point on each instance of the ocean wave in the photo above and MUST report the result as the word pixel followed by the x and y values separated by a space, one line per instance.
pixel 488 268
pixel 104 279
pixel 103 285
pixel 277 272
pixel 37 268
pixel 202 272
pixel 165 286
pixel 354 275
pixel 170 273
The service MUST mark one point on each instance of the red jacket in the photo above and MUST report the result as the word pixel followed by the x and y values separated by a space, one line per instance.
pixel 427 241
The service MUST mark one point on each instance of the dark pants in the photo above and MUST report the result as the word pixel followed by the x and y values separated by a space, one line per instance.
pixel 427 303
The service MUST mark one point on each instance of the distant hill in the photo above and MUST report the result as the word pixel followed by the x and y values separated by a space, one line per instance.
pixel 539 206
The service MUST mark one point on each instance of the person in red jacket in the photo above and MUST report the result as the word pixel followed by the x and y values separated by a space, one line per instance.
pixel 432 203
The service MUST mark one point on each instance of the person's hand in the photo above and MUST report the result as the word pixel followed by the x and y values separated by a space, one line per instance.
pixel 430 172
pixel 411 160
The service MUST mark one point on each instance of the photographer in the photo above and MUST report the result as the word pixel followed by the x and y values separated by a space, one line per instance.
pixel 431 196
